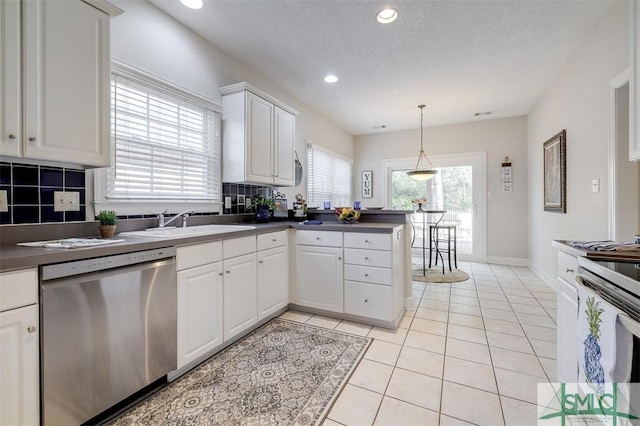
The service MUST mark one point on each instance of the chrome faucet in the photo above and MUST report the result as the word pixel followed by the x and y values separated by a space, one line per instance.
pixel 183 215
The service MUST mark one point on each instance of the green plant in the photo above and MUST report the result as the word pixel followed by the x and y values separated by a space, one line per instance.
pixel 259 200
pixel 107 217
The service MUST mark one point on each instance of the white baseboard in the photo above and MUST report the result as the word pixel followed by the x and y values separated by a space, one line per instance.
pixel 516 261
pixel 548 279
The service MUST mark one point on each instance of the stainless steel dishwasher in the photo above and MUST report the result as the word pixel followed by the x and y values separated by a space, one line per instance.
pixel 109 328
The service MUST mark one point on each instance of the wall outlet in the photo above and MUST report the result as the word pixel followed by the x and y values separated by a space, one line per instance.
pixel 240 200
pixel 66 201
pixel 595 185
pixel 4 207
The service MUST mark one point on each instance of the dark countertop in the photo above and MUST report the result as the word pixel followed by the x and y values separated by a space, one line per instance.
pixel 14 257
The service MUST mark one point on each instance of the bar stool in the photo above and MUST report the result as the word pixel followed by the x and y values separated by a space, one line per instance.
pixel 445 234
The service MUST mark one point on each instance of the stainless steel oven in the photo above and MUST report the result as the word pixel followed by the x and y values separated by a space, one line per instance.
pixel 109 328
pixel 619 284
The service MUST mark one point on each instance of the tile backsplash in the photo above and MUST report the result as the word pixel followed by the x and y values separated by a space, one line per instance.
pixel 234 189
pixel 30 191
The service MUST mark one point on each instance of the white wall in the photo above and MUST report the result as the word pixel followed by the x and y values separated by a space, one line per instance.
pixel 506 213
pixel 578 101
pixel 148 39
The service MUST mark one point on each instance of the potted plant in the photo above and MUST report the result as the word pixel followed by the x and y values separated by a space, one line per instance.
pixel 262 206
pixel 108 219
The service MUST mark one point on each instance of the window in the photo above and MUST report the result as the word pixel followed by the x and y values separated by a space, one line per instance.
pixel 165 143
pixel 329 178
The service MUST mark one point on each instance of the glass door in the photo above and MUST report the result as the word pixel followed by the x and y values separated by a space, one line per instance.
pixel 458 188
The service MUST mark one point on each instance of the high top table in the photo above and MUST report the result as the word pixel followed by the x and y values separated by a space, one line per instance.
pixel 424 247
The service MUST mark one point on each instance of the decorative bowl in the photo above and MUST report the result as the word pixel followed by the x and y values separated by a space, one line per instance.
pixel 347 214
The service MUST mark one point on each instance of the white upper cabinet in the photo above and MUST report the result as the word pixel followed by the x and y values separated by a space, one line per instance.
pixel 258 137
pixel 63 111
pixel 634 83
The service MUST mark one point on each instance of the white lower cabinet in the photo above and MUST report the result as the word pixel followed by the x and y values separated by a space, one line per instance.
pixel 368 300
pixel 19 349
pixel 200 304
pixel 240 294
pixel 319 277
pixel 273 281
pixel 567 355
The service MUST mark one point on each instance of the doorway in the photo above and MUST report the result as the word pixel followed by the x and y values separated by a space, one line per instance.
pixel 624 175
pixel 458 187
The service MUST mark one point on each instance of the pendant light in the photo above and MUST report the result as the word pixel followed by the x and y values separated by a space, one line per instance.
pixel 422 173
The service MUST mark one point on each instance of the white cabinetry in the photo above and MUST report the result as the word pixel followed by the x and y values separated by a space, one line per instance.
pixel 240 285
pixel 19 347
pixel 200 300
pixel 63 113
pixel 634 83
pixel 273 273
pixel 373 288
pixel 319 270
pixel 259 137
pixel 567 354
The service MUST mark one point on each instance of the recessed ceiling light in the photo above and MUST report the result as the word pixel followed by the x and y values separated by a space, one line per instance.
pixel 192 4
pixel 331 78
pixel 387 16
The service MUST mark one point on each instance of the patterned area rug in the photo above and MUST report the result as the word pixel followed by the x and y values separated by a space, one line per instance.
pixel 283 373
pixel 435 275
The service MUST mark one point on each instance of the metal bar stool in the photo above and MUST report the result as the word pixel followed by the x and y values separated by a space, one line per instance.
pixel 445 234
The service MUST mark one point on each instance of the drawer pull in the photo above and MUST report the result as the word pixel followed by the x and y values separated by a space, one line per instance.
pixel 221 274
pixel 32 139
pixel 569 270
pixel 318 238
pixel 366 300
pixel 366 275
pixel 12 136
pixel 366 258
pixel 228 272
pixel 339 258
pixel 32 329
pixel 261 261
pixel 366 241
pixel 274 240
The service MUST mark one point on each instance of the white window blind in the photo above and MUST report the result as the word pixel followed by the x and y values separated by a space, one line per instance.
pixel 329 178
pixel 165 145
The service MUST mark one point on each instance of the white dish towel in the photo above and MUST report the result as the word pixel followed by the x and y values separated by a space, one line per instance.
pixel 604 346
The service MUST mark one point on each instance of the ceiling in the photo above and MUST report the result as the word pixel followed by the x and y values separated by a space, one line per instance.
pixel 457 57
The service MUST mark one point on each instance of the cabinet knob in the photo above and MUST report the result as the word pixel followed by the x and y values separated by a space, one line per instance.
pixel 366 300
pixel 32 139
pixel 318 238
pixel 366 241
pixel 569 270
pixel 274 240
pixel 339 258
pixel 32 329
pixel 221 274
pixel 366 258
pixel 12 136
pixel 227 272
pixel 261 261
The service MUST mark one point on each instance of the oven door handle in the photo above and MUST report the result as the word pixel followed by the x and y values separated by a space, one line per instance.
pixel 631 326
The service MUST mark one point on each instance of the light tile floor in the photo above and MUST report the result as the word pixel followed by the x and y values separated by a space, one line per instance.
pixel 469 353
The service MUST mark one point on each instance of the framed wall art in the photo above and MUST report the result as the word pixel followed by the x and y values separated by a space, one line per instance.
pixel 367 184
pixel 555 173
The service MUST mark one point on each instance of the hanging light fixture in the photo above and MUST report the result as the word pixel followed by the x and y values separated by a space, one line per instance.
pixel 422 172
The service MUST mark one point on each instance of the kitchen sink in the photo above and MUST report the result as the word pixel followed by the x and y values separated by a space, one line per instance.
pixel 190 231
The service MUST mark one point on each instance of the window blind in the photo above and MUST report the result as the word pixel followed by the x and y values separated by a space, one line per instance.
pixel 329 178
pixel 164 146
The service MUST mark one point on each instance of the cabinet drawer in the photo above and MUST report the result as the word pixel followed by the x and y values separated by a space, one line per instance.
pixel 198 254
pixel 238 246
pixel 363 257
pixel 368 274
pixel 271 240
pixel 368 300
pixel 567 267
pixel 319 238
pixel 367 241
pixel 19 288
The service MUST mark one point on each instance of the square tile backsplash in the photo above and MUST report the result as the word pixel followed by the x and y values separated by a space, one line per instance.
pixel 234 189
pixel 30 191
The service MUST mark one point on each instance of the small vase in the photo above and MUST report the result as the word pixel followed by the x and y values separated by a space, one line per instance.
pixel 263 214
pixel 107 231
